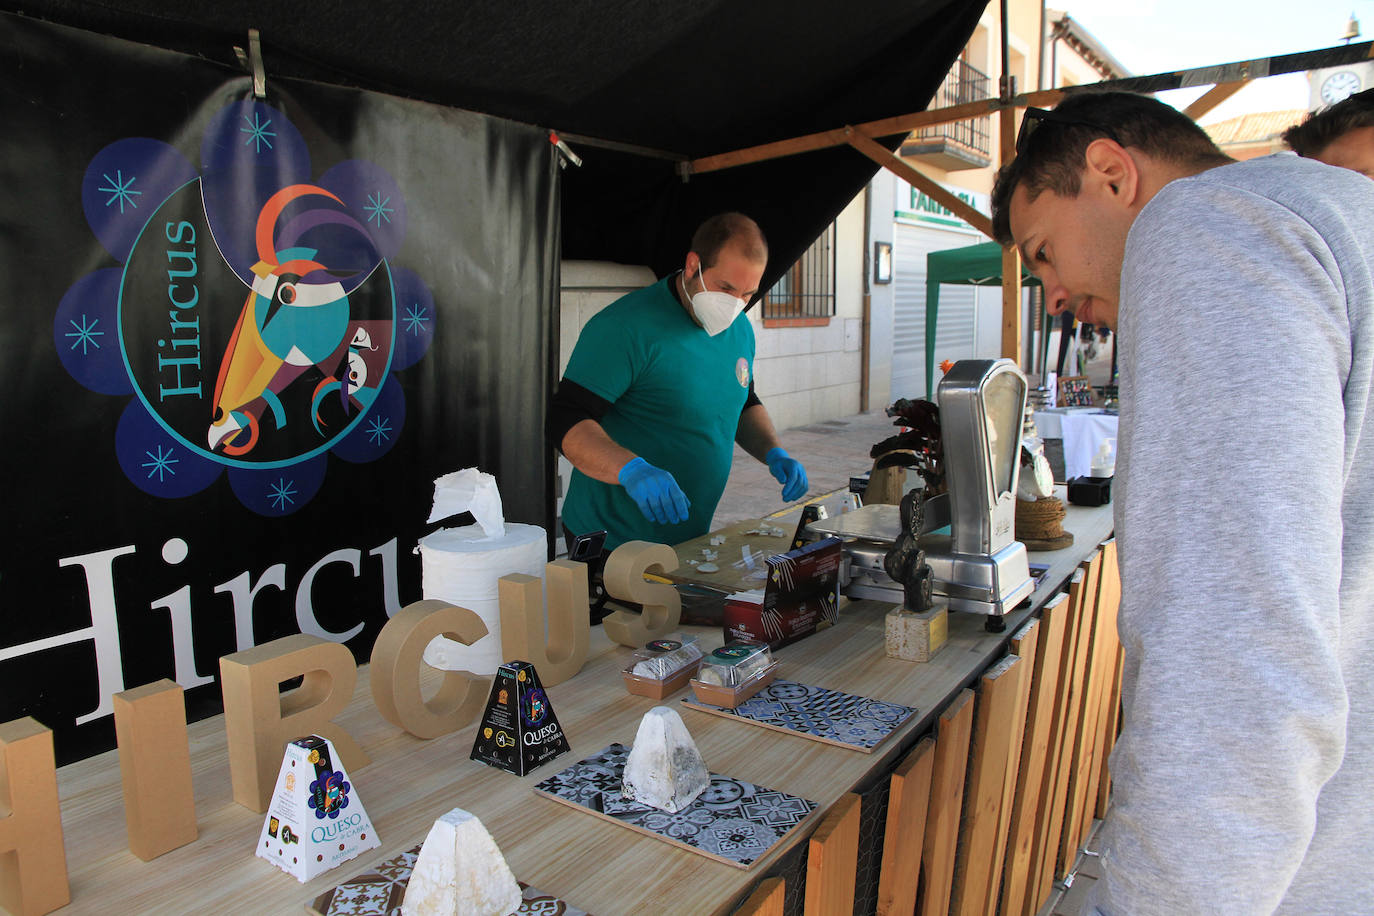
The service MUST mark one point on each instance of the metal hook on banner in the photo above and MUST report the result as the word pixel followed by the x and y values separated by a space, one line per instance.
pixel 252 62
pixel 567 154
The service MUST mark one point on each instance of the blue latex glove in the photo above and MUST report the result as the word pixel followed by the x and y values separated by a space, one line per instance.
pixel 655 492
pixel 788 471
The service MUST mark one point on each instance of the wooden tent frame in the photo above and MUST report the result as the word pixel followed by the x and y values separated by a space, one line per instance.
pixel 1225 79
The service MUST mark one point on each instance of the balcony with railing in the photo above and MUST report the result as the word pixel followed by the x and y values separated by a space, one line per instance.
pixel 957 144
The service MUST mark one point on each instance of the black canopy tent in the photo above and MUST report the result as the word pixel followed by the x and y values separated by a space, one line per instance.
pixel 635 88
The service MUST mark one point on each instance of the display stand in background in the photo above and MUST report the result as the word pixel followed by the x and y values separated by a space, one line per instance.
pixel 1074 391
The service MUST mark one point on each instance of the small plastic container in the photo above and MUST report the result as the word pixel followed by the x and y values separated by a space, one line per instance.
pixel 734 673
pixel 663 666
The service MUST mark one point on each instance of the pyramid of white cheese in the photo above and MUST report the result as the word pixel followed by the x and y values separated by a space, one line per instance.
pixel 460 870
pixel 664 769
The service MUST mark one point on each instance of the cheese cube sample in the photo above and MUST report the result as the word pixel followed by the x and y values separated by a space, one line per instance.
pixel 460 870
pixel 664 769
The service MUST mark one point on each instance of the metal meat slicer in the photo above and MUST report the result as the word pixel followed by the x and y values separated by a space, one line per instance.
pixel 978 566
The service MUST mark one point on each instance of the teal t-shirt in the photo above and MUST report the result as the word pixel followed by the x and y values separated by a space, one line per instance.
pixel 676 394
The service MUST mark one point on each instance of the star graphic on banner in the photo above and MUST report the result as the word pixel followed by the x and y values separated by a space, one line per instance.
pixel 85 334
pixel 161 464
pixel 377 208
pixel 282 491
pixel 378 430
pixel 257 132
pixel 119 190
pixel 415 319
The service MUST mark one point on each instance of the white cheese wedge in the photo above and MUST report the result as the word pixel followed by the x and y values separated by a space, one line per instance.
pixel 460 870
pixel 664 769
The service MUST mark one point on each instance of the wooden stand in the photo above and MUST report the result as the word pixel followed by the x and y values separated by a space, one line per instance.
pixel 33 863
pixel 155 764
pixel 916 637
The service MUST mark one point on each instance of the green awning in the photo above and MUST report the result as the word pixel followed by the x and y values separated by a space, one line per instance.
pixel 972 265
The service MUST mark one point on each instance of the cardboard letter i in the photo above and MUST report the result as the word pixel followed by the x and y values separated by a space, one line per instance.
pixel 33 864
pixel 155 763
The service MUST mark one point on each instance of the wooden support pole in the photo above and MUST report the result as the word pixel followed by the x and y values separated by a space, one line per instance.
pixel 1237 71
pixel 832 860
pixel 908 802
pixel 1011 255
pixel 885 127
pixel 917 179
pixel 1213 97
pixel 946 801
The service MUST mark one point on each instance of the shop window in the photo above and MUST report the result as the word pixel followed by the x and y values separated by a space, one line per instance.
pixel 806 293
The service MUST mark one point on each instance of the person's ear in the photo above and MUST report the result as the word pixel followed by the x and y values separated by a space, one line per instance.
pixel 1110 169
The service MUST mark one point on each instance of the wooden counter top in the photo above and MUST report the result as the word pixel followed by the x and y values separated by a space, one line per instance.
pixel 598 866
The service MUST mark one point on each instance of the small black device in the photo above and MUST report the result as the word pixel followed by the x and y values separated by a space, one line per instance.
pixel 587 547
pixel 1090 491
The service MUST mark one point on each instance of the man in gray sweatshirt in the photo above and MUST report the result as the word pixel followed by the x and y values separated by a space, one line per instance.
pixel 1243 781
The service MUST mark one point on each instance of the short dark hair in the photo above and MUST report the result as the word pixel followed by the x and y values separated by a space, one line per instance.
pixel 725 229
pixel 1053 157
pixel 1322 128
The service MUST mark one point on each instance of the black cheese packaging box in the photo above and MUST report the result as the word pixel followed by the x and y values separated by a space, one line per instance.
pixel 801 595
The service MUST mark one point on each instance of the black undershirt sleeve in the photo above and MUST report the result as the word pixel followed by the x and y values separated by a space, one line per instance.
pixel 752 398
pixel 571 405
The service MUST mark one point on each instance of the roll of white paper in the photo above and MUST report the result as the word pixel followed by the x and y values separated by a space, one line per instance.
pixel 462 566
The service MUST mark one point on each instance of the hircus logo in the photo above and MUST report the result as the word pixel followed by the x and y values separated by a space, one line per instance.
pixel 257 318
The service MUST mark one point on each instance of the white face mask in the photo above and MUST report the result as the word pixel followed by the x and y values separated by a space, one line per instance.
pixel 715 311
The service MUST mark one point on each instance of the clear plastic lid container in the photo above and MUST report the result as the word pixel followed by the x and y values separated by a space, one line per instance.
pixel 664 657
pixel 735 663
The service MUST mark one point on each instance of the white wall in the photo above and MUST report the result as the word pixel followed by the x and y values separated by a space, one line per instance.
pixel 807 374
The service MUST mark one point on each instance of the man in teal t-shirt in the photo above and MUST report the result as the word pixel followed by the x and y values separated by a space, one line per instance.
pixel 658 390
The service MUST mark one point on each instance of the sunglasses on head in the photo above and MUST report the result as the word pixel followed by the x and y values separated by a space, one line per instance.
pixel 1032 120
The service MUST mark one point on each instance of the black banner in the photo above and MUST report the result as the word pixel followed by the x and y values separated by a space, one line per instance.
pixel 239 339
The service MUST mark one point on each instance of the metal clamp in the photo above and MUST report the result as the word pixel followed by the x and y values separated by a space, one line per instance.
pixel 252 62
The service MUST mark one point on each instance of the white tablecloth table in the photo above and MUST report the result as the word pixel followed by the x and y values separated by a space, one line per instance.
pixel 1082 429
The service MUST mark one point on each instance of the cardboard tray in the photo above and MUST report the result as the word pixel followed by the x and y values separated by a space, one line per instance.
pixel 656 689
pixel 730 697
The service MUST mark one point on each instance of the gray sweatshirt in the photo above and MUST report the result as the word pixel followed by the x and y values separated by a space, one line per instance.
pixel 1244 778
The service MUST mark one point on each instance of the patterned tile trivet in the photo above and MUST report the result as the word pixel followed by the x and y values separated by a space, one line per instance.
pixel 733 821
pixel 858 723
pixel 380 892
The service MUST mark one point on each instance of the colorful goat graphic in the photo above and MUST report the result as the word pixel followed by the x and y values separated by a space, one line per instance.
pixel 296 316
